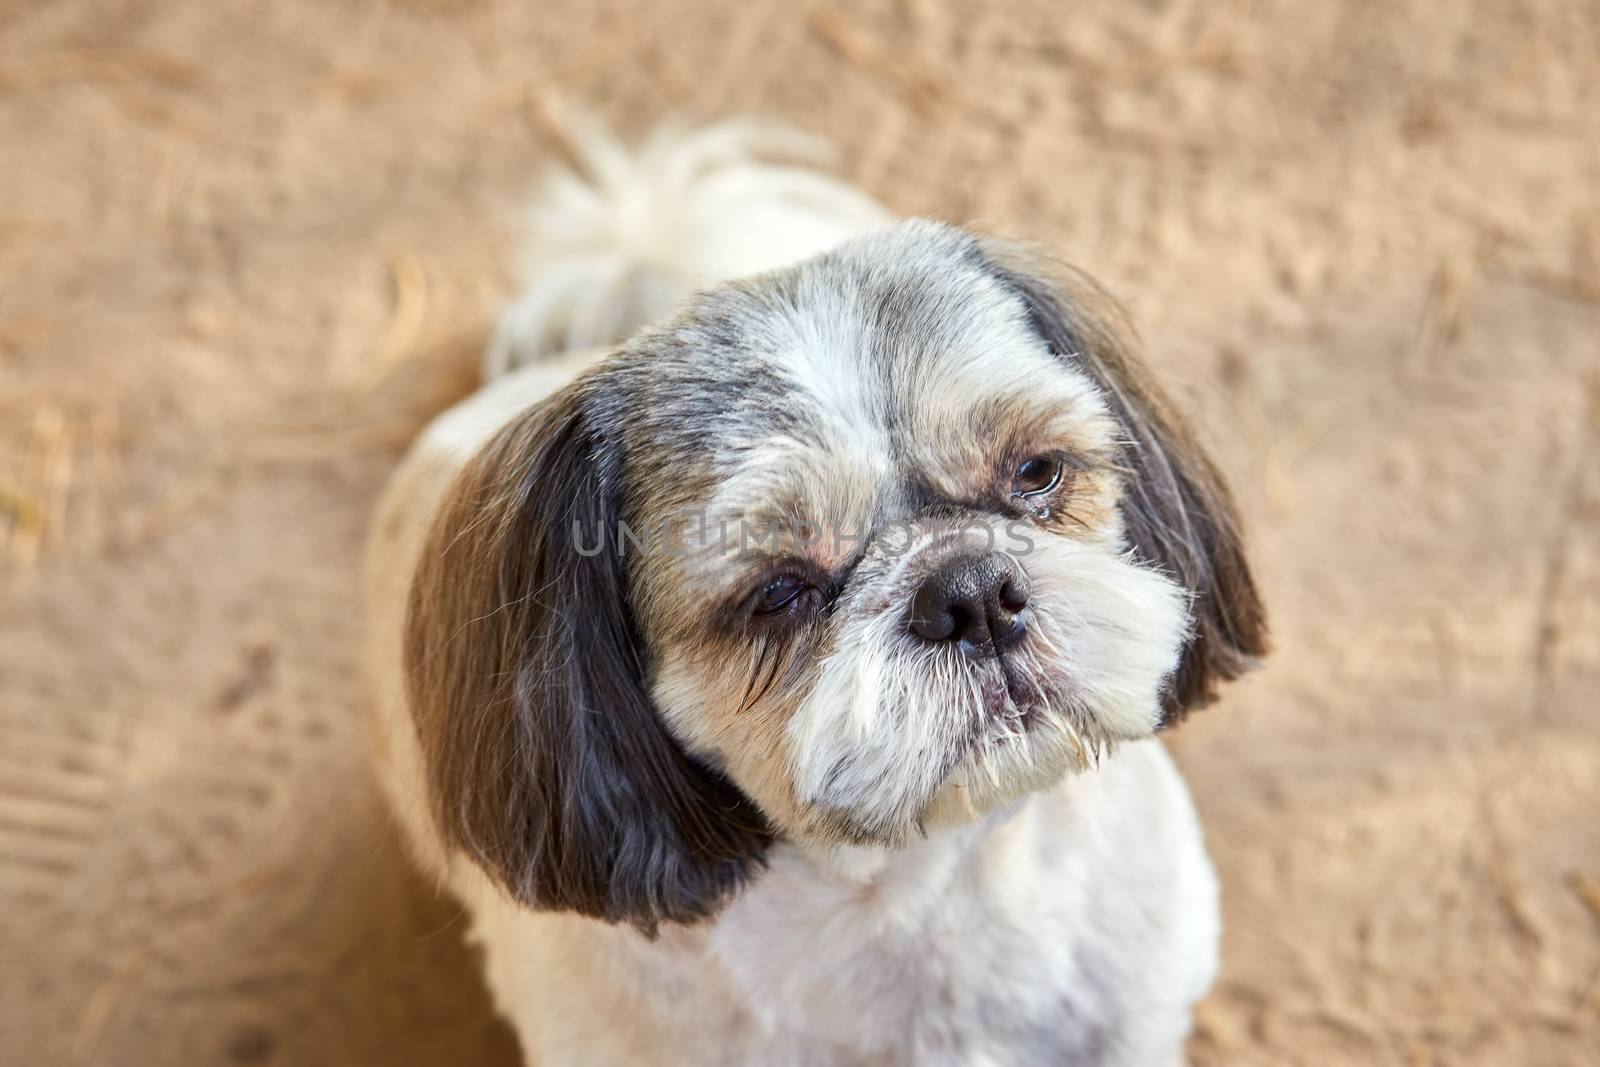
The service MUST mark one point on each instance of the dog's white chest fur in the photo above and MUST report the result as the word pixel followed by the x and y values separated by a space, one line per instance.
pixel 1077 928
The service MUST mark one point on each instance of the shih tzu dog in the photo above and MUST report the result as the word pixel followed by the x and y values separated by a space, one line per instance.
pixel 770 656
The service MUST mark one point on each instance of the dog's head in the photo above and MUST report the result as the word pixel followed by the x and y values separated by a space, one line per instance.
pixel 840 554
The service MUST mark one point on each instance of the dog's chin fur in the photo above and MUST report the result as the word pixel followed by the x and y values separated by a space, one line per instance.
pixel 693 829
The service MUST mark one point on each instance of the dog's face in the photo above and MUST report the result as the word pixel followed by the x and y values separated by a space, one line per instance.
pixel 842 553
pixel 900 592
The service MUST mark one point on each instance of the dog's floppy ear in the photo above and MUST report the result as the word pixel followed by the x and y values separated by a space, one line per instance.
pixel 1176 509
pixel 546 760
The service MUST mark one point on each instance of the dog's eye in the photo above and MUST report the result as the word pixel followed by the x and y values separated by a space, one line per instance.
pixel 1037 476
pixel 779 593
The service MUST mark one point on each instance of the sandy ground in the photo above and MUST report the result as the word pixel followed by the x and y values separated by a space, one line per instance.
pixel 244 249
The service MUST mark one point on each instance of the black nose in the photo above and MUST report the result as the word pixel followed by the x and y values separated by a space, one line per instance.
pixel 977 600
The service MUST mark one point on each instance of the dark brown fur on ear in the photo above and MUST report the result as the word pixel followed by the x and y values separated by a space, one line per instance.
pixel 1177 510
pixel 546 760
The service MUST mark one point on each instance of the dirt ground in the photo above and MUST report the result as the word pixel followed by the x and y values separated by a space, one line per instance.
pixel 245 249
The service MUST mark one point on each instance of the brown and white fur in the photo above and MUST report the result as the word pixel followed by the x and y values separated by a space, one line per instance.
pixel 693 828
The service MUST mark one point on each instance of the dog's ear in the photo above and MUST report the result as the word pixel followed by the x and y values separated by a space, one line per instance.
pixel 546 760
pixel 1176 509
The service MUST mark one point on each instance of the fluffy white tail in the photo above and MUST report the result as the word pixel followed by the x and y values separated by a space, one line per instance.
pixel 619 246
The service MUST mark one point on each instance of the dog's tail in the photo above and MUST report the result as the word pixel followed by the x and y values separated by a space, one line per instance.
pixel 619 243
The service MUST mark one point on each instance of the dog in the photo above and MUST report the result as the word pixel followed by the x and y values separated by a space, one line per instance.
pixel 770 656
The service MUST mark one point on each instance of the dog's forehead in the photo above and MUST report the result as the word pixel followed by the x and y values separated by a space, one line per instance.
pixel 860 356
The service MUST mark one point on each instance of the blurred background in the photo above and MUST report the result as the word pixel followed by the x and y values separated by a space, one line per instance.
pixel 246 249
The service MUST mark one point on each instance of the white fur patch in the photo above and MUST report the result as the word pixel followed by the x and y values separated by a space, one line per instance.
pixel 876 736
pixel 619 246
